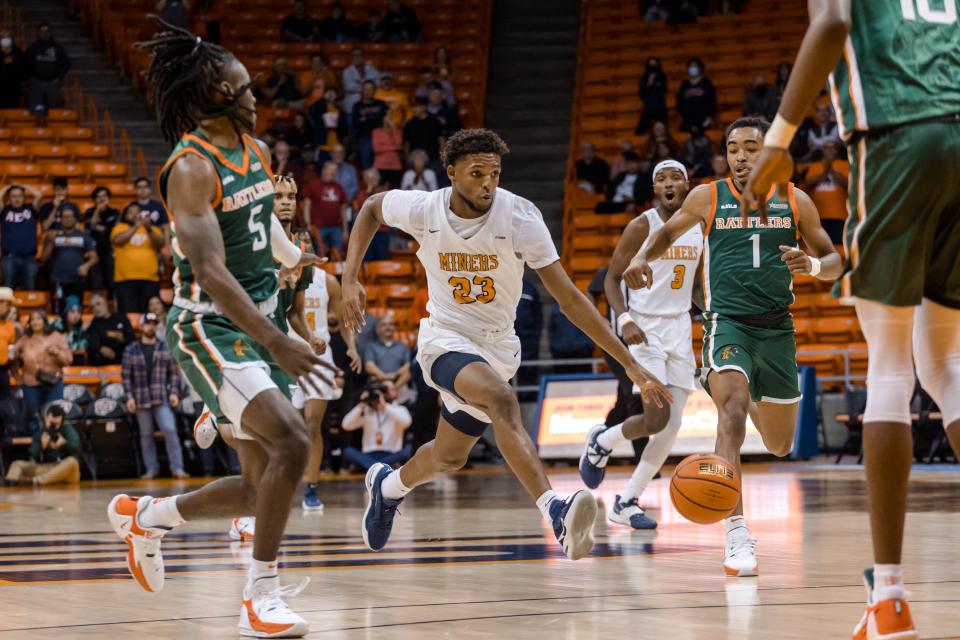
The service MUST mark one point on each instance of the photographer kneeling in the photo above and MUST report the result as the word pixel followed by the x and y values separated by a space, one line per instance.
pixel 383 423
pixel 53 453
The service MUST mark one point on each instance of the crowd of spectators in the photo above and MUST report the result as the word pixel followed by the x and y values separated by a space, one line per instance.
pixel 40 69
pixel 399 23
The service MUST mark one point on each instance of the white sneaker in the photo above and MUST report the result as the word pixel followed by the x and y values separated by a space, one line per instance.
pixel 740 558
pixel 144 559
pixel 243 528
pixel 264 614
pixel 205 430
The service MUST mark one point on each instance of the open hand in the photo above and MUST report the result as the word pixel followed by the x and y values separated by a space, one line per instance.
pixel 651 389
pixel 354 304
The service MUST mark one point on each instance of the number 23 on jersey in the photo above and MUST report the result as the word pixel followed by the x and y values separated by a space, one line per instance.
pixel 463 289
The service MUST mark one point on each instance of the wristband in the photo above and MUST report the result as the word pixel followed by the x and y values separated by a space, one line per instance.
pixel 814 266
pixel 780 134
pixel 623 319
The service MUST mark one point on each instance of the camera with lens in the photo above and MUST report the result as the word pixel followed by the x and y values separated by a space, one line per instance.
pixel 375 391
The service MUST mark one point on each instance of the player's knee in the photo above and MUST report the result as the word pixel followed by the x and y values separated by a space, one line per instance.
pixel 658 417
pixel 778 445
pixel 501 405
pixel 291 451
pixel 450 461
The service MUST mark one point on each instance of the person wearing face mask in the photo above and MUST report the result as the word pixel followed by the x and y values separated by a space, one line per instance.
pixel 48 63
pixel 13 71
pixel 653 92
pixel 696 97
pixel 761 99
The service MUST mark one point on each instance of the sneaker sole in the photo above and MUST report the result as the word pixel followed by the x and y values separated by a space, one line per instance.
pixel 579 524
pixel 583 456
pixel 368 480
pixel 742 573
pixel 308 508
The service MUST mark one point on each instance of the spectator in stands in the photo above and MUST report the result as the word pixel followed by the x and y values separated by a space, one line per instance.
pixel 19 233
pixel 99 221
pixel 697 153
pixel 653 92
pixel 108 333
pixel 719 166
pixel 299 133
pixel 696 97
pixel 346 172
pixel 156 307
pixel 619 163
pixel 174 12
pixel 54 453
pixel 402 22
pixel 395 98
pixel 376 28
pixel 317 79
pixel 380 245
pixel 151 383
pixel 325 209
pixel 827 182
pixel 441 62
pixel 824 130
pixel 329 125
pixel 283 164
pixel 419 177
pixel 429 76
pixel 48 64
pixel 386 359
pixel 50 212
pixel 368 114
pixel 8 337
pixel 281 89
pixel 783 76
pixel 384 422
pixel 423 131
pixel 660 135
pixel 70 254
pixel 593 173
pixel 629 188
pixel 70 324
pixel 136 243
pixel 335 27
pixel 13 72
pixel 567 341
pixel 387 147
pixel 150 207
pixel 661 152
pixel 439 108
pixel 654 10
pixel 298 27
pixel 353 77
pixel 761 99
pixel 42 353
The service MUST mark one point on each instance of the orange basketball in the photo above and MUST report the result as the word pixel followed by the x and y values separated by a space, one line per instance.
pixel 705 488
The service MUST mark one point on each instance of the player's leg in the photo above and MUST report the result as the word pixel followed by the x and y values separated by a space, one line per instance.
pixel 313 413
pixel 777 424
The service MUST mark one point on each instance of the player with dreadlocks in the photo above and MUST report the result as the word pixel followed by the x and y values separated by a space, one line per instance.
pixel 218 189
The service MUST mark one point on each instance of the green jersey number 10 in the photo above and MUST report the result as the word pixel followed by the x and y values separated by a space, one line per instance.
pixel 913 8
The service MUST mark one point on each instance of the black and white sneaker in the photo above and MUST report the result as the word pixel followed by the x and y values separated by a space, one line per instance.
pixel 573 520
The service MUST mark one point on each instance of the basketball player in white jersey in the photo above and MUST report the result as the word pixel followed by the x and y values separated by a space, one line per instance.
pixel 475 240
pixel 655 324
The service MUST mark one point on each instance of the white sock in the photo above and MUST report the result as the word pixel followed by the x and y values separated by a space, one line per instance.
pixel 734 522
pixel 638 482
pixel 260 569
pixel 393 488
pixel 887 582
pixel 543 503
pixel 162 513
pixel 611 437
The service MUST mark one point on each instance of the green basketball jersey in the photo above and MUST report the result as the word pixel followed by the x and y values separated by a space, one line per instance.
pixel 742 270
pixel 244 206
pixel 900 63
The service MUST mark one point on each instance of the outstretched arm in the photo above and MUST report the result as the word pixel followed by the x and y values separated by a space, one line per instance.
pixel 826 263
pixel 696 210
pixel 821 48
pixel 630 242
pixel 576 306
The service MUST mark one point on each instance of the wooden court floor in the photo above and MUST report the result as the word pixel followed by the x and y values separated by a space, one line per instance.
pixel 471 558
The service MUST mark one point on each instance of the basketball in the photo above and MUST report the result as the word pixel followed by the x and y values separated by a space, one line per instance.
pixel 705 488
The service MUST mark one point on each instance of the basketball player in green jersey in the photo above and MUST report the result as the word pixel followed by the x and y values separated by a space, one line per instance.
pixel 894 76
pixel 749 348
pixel 218 188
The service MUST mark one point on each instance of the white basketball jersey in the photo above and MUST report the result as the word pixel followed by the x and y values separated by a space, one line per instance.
pixel 475 284
pixel 315 305
pixel 673 274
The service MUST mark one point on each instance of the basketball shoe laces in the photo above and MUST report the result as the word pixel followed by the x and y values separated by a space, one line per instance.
pixel 273 599
pixel 598 455
pixel 741 541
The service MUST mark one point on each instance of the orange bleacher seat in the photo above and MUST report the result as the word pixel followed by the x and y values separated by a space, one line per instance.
pixel 16 117
pixel 111 373
pixel 122 189
pixel 697 334
pixel 803 306
pixel 80 189
pixel 63 115
pixel 398 295
pixel 30 299
pixel 13 152
pixel 587 266
pixel 388 271
pixel 42 152
pixel 835 330
pixel 827 305
pixel 65 170
pixel 87 151
pixel 99 171
pixel 858 358
pixel 821 358
pixel 805 284
pixel 595 244
pixel 69 133
pixel 85 375
pixel 6 134
pixel 33 134
pixel 27 171
pixel 803 329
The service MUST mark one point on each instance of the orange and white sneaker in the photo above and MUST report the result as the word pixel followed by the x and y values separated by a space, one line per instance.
pixel 740 555
pixel 243 529
pixel 205 429
pixel 886 619
pixel 264 614
pixel 143 544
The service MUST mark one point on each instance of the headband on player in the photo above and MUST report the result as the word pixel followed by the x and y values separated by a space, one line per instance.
pixel 670 164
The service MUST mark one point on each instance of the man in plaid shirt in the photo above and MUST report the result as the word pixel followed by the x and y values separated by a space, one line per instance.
pixel 151 381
